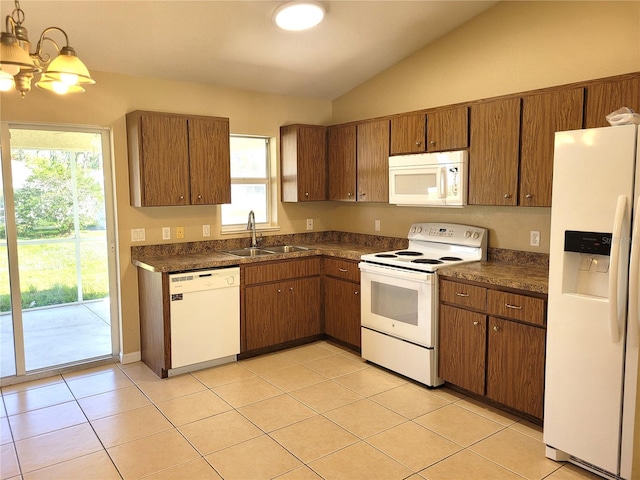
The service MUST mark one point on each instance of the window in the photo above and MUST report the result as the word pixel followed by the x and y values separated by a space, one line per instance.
pixel 250 183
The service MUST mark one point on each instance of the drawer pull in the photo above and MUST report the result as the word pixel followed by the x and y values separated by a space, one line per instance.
pixel 458 294
pixel 343 270
pixel 514 307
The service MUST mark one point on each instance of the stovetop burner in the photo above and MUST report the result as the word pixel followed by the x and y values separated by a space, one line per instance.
pixel 386 255
pixel 409 253
pixel 430 261
pixel 451 259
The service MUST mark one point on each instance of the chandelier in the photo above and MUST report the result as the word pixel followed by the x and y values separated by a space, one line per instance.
pixel 18 66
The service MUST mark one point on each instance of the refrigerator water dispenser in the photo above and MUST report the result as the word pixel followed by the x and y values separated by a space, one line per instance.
pixel 586 263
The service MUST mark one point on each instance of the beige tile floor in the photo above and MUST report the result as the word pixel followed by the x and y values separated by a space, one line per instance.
pixel 310 412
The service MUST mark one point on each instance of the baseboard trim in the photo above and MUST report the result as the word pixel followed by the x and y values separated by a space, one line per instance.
pixel 130 357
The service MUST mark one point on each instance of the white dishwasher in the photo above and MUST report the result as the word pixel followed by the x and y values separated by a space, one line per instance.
pixel 205 318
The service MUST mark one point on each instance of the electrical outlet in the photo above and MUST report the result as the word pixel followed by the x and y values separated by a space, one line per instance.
pixel 309 223
pixel 534 239
pixel 179 232
pixel 166 233
pixel 376 225
pixel 206 230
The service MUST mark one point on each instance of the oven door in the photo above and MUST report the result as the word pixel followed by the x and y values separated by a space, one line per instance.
pixel 399 302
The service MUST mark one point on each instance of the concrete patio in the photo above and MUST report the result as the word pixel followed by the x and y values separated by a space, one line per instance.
pixel 58 335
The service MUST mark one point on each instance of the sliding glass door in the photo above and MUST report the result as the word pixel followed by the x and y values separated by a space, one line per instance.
pixel 56 306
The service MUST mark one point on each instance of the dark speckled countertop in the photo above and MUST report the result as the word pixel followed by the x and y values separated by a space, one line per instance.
pixel 506 268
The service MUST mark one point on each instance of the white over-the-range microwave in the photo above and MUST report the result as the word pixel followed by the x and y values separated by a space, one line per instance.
pixel 429 179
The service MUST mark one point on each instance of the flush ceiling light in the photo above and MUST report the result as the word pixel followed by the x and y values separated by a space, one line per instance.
pixel 298 15
pixel 63 74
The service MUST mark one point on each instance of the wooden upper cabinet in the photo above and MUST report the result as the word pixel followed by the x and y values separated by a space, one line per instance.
pixel 448 130
pixel 373 161
pixel 303 157
pixel 542 116
pixel 178 159
pixel 408 133
pixel 604 98
pixel 209 161
pixel 493 155
pixel 341 146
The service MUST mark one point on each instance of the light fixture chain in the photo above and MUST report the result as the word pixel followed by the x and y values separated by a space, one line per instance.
pixel 18 14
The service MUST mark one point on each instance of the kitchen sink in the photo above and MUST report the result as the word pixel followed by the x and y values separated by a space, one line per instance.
pixel 249 252
pixel 285 248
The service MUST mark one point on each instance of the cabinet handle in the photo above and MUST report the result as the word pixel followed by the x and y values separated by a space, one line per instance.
pixel 514 307
pixel 343 269
pixel 528 195
pixel 496 328
pixel 507 195
pixel 356 292
pixel 458 294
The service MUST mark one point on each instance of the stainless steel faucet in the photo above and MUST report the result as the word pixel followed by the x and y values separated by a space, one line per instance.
pixel 251 225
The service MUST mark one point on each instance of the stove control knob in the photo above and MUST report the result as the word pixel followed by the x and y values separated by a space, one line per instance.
pixel 412 230
pixel 476 235
pixel 467 234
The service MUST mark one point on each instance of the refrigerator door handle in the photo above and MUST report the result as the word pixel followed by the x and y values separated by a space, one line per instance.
pixel 614 330
pixel 634 279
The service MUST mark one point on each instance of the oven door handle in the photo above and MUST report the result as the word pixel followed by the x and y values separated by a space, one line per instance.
pixel 393 272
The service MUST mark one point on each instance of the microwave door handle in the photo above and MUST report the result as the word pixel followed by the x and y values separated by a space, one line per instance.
pixel 442 183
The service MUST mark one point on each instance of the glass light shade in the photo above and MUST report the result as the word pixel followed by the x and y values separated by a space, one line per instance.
pixel 58 86
pixel 298 15
pixel 12 57
pixel 6 81
pixel 68 69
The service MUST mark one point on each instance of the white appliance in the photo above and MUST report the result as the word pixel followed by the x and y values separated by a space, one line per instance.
pixel 592 330
pixel 429 179
pixel 205 318
pixel 399 297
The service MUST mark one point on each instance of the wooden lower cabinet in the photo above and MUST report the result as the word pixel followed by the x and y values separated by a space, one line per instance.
pixel 281 303
pixel 495 349
pixel 342 310
pixel 463 345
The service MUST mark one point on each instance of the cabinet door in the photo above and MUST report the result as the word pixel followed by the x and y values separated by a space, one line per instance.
pixel 263 323
pixel 303 157
pixel 210 173
pixel 515 365
pixel 341 146
pixel 448 130
pixel 542 116
pixel 301 312
pixel 373 161
pixel 493 156
pixel 604 98
pixel 342 310
pixel 164 160
pixel 408 134
pixel 461 358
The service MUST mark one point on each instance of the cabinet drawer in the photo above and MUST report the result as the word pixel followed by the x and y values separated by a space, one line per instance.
pixel 463 294
pixel 273 272
pixel 518 307
pixel 342 269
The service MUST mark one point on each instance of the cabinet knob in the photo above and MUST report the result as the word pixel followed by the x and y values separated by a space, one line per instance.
pixel 349 194
pixel 528 195
pixel 418 143
pixel 476 322
pixel 432 142
pixel 181 197
pixel 199 196
pixel 279 291
pixel 507 195
pixel 291 288
pixel 496 328
pixel 306 194
pixel 356 292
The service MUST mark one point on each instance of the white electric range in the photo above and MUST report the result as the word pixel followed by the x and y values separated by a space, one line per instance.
pixel 399 303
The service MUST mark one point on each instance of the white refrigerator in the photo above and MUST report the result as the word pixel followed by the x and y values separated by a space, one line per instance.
pixel 591 403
